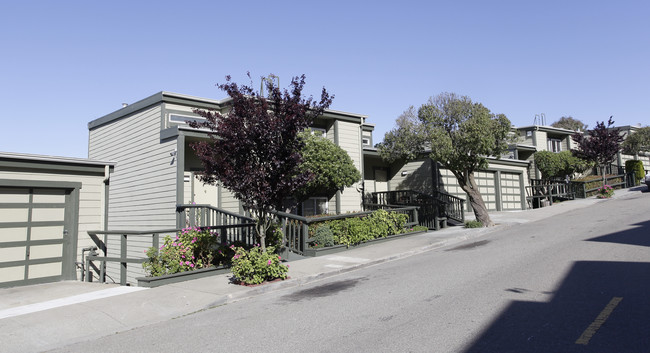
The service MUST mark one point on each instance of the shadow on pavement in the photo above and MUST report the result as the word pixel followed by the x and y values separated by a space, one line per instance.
pixel 600 306
pixel 640 235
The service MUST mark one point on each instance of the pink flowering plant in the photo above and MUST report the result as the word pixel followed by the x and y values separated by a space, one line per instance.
pixel 605 192
pixel 190 249
pixel 255 266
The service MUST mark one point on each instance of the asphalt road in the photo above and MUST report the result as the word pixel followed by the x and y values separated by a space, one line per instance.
pixel 578 282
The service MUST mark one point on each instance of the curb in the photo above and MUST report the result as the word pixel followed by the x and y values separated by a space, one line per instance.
pixel 297 282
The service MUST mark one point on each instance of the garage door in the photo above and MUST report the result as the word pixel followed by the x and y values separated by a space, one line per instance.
pixel 510 191
pixel 34 239
pixel 485 181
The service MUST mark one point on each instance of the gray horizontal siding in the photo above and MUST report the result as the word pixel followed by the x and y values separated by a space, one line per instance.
pixel 350 140
pixel 143 183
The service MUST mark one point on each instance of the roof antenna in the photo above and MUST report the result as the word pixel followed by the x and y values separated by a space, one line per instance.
pixel 273 79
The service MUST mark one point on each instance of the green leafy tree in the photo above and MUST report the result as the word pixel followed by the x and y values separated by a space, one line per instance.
pixel 569 123
pixel 255 148
pixel 331 166
pixel 637 142
pixel 600 146
pixel 636 166
pixel 558 165
pixel 456 132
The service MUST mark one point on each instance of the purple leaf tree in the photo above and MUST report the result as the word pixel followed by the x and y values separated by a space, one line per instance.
pixel 600 145
pixel 254 148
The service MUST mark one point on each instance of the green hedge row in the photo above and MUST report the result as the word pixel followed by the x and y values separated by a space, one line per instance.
pixel 355 230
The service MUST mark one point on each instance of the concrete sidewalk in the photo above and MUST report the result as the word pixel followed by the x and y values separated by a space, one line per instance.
pixel 48 316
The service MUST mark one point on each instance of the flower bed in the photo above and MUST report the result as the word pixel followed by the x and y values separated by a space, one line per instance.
pixel 195 253
pixel 191 249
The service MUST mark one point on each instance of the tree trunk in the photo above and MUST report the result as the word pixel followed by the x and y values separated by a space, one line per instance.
pixel 476 200
pixel 261 226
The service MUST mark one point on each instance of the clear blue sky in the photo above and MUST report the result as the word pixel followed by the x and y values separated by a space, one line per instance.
pixel 65 63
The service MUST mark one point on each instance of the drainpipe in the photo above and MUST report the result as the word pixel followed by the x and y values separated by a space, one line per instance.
pixel 104 201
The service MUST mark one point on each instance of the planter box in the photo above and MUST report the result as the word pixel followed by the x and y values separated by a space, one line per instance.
pixel 341 247
pixel 151 282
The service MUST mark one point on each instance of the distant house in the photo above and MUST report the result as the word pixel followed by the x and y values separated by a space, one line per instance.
pixel 536 138
pixel 502 184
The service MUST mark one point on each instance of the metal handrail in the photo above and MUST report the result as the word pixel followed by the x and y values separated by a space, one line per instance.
pixel 124 260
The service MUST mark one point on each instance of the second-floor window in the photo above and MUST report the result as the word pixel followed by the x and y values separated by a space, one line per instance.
pixel 554 145
pixel 316 131
pixel 184 119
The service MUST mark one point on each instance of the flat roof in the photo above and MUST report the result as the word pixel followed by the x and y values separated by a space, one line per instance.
pixel 206 103
pixel 546 128
pixel 53 159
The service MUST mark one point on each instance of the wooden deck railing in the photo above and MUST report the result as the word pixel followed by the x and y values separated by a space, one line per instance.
pixel 125 246
pixel 432 208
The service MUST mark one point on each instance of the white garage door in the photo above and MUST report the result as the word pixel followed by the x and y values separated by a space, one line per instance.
pixel 34 223
pixel 510 191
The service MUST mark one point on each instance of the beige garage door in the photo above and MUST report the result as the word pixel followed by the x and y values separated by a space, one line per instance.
pixel 34 240
pixel 510 191
pixel 485 181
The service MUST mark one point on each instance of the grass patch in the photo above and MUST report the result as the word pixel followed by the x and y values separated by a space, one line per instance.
pixel 473 224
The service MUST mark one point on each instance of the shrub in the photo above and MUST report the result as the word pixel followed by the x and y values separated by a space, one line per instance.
pixel 636 166
pixel 605 192
pixel 386 223
pixel 473 224
pixel 355 230
pixel 359 230
pixel 323 237
pixel 191 249
pixel 255 266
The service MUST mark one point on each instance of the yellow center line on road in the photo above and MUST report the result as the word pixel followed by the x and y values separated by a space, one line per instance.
pixel 600 320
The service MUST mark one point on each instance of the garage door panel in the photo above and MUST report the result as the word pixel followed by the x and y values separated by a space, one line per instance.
pixel 44 233
pixel 13 234
pixel 11 215
pixel 14 195
pixel 45 270
pixel 45 251
pixel 48 196
pixel 14 253
pixel 48 214
pixel 10 274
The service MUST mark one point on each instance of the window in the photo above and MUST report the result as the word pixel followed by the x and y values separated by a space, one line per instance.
pixel 365 141
pixel 184 119
pixel 314 206
pixel 554 145
pixel 317 131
